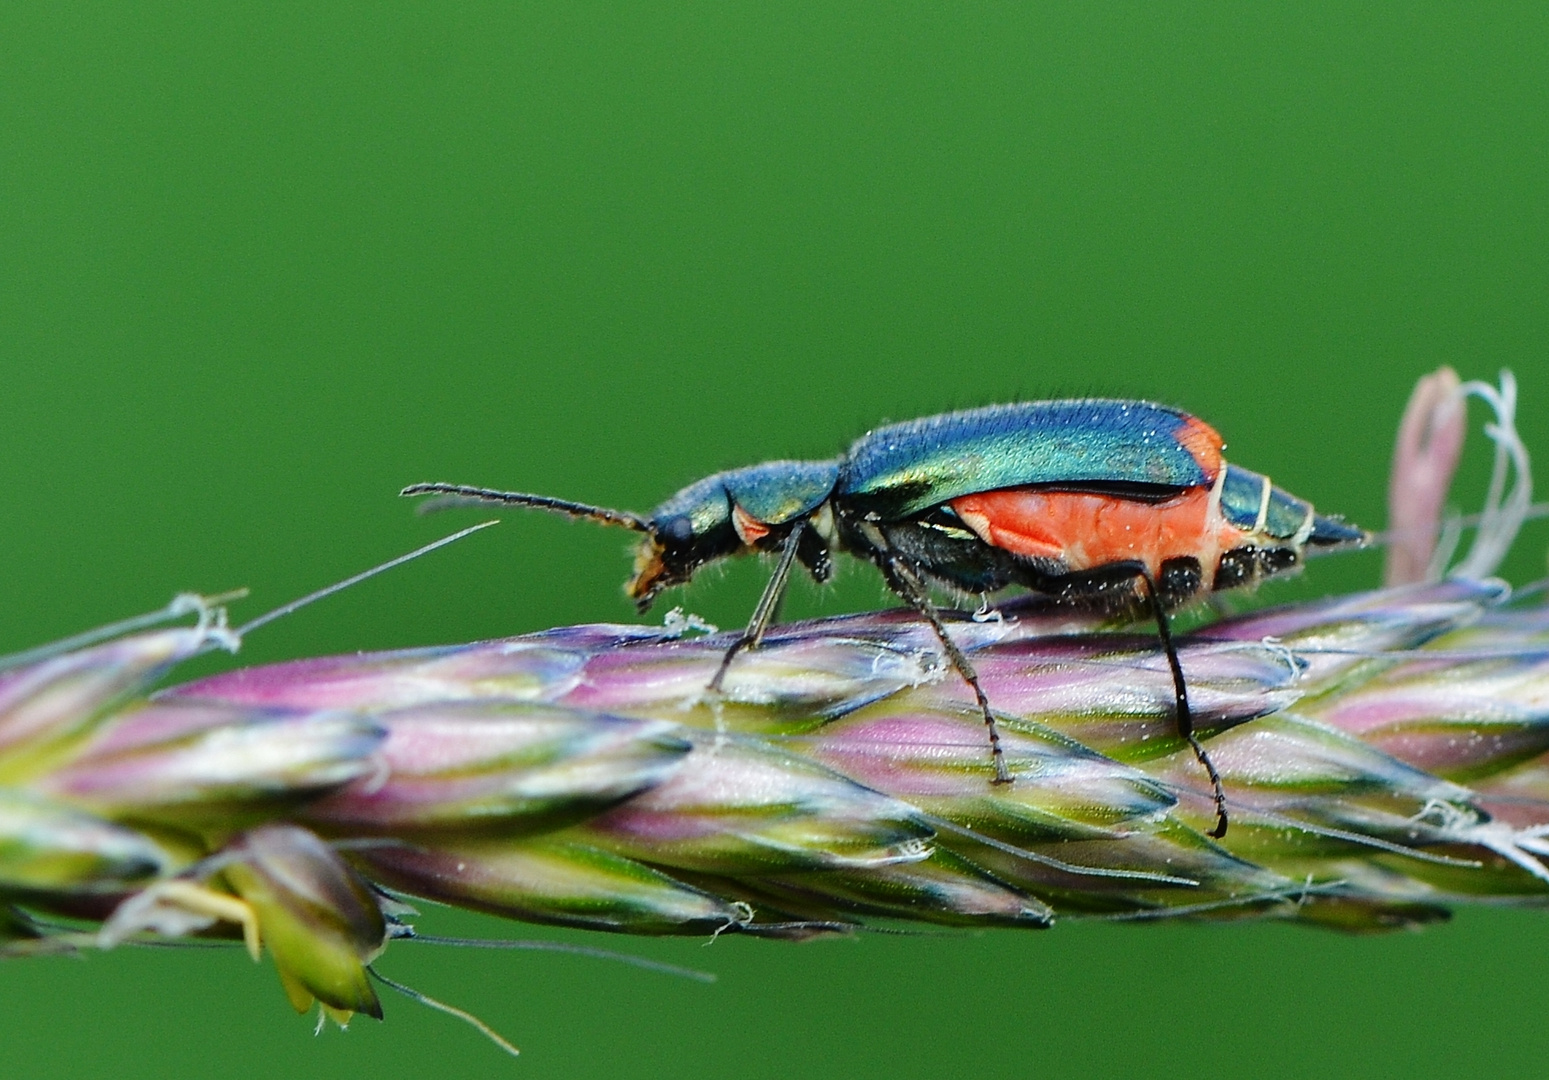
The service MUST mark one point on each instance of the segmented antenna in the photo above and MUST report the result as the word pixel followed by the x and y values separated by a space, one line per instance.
pixel 538 502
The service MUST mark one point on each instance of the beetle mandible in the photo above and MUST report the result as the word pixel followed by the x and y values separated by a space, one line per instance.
pixel 1118 506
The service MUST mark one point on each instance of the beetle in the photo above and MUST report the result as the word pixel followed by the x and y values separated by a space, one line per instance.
pixel 1121 507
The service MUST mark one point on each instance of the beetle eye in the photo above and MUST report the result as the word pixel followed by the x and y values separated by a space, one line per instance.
pixel 677 530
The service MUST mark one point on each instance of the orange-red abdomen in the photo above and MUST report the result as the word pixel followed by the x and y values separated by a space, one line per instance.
pixel 1085 531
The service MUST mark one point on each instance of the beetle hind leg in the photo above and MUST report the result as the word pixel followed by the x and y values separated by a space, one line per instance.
pixel 1183 715
pixel 1112 588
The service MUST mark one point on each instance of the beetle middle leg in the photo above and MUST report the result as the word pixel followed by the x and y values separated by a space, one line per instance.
pixel 903 581
pixel 768 605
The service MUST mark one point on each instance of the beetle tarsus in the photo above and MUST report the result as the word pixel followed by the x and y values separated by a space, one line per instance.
pixel 1215 779
pixel 730 654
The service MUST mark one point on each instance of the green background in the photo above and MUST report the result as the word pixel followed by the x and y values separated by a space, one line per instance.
pixel 260 265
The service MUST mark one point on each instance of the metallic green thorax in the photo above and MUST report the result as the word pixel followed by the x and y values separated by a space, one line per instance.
pixel 778 492
pixel 775 493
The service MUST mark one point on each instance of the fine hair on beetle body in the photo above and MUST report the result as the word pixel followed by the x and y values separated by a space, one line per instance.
pixel 1113 506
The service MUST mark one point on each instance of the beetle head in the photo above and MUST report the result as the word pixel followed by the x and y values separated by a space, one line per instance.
pixel 685 532
pixel 749 509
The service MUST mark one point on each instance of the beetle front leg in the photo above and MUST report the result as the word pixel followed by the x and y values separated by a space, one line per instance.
pixel 768 605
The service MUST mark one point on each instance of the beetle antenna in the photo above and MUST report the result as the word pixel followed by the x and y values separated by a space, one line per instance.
pixel 462 492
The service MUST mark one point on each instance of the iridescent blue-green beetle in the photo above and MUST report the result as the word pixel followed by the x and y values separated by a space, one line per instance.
pixel 1118 506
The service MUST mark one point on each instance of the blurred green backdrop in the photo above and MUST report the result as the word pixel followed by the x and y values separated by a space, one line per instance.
pixel 262 264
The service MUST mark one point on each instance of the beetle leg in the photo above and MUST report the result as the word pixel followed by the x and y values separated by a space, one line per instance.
pixel 768 605
pixel 902 580
pixel 1184 717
